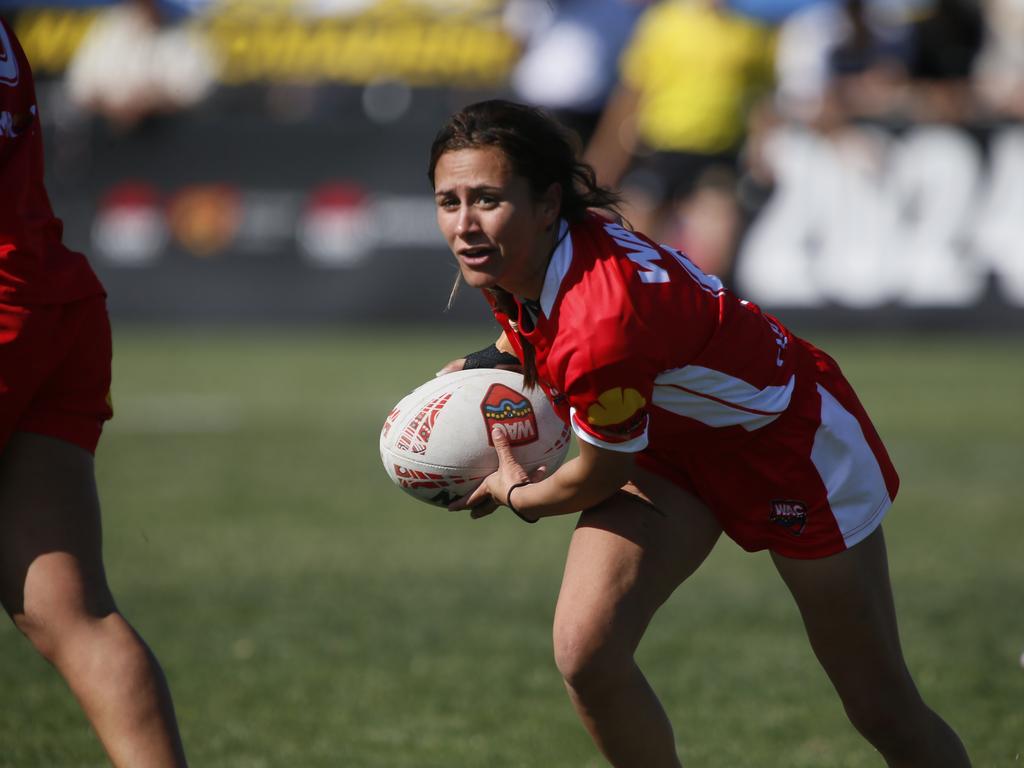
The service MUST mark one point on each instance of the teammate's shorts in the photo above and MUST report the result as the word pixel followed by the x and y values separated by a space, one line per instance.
pixel 812 483
pixel 55 371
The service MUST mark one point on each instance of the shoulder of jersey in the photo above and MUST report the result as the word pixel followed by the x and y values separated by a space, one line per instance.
pixel 9 70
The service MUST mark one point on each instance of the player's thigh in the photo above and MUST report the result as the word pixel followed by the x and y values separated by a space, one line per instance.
pixel 626 557
pixel 847 607
pixel 50 538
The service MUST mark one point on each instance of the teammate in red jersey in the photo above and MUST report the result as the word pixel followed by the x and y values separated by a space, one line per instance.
pixel 695 413
pixel 55 355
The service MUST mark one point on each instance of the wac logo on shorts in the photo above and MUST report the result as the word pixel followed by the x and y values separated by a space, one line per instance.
pixel 503 405
pixel 789 514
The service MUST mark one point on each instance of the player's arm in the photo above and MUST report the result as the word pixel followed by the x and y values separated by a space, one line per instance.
pixel 614 141
pixel 504 345
pixel 500 354
pixel 608 413
pixel 580 483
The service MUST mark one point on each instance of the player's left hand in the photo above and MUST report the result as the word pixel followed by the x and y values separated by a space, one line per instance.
pixel 497 355
pixel 452 366
pixel 493 490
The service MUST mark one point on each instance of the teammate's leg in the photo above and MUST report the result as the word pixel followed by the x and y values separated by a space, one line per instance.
pixel 53 585
pixel 625 559
pixel 847 607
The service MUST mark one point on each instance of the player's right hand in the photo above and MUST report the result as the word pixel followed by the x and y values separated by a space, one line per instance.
pixel 493 490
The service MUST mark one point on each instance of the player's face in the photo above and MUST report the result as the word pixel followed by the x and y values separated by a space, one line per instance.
pixel 498 232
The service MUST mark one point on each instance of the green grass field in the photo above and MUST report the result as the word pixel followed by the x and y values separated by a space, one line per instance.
pixel 309 614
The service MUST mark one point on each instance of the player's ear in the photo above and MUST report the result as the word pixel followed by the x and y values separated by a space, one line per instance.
pixel 551 204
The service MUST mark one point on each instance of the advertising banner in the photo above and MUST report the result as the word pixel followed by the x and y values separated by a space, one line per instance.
pixel 922 223
pixel 295 189
pixel 459 43
pixel 229 215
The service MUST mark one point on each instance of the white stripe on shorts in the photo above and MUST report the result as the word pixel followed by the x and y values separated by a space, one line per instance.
pixel 849 470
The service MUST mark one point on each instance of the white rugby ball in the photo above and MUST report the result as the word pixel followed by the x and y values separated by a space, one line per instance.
pixel 436 443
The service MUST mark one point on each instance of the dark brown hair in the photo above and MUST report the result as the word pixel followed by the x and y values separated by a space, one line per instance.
pixel 539 150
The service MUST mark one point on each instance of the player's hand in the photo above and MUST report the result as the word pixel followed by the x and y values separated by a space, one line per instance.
pixel 460 365
pixel 493 491
pixel 489 357
pixel 452 367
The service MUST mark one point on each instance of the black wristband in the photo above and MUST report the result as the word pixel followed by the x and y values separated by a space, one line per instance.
pixel 489 357
pixel 508 503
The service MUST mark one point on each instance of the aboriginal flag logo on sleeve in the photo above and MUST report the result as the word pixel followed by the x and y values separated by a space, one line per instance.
pixel 503 405
pixel 619 412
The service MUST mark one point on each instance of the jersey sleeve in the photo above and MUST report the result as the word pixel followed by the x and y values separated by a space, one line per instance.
pixel 609 388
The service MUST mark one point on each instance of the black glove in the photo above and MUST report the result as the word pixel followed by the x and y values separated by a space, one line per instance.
pixel 489 357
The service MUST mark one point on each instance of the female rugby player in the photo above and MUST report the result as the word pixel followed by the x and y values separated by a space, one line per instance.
pixel 695 413
pixel 55 355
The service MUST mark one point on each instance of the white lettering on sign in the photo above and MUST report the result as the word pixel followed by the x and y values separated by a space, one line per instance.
pixel 999 230
pixel 918 220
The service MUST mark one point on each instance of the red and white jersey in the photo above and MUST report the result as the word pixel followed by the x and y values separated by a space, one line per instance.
pixel 641 351
pixel 35 266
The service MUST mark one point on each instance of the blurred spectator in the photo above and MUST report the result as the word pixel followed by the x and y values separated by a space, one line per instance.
pixel 999 68
pixel 843 60
pixel 946 40
pixel 673 128
pixel 570 64
pixel 771 11
pixel 883 60
pixel 134 62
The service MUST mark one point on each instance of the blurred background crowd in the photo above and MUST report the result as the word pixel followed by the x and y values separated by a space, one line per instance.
pixel 263 159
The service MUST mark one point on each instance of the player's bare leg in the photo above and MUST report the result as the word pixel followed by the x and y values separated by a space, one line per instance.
pixel 847 607
pixel 624 561
pixel 53 585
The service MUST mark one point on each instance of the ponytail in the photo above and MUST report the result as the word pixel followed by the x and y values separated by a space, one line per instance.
pixel 506 304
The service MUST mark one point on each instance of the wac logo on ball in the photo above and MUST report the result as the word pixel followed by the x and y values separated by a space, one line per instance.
pixel 503 405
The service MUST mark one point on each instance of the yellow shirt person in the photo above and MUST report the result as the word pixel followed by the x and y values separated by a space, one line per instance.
pixel 695 69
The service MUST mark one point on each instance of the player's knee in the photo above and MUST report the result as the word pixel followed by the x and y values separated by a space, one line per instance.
pixel 891 722
pixel 587 660
pixel 41 632
pixel 53 629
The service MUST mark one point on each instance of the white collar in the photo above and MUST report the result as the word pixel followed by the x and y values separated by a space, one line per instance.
pixel 558 266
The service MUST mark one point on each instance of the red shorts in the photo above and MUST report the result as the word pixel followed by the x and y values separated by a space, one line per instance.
pixel 55 371
pixel 812 483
